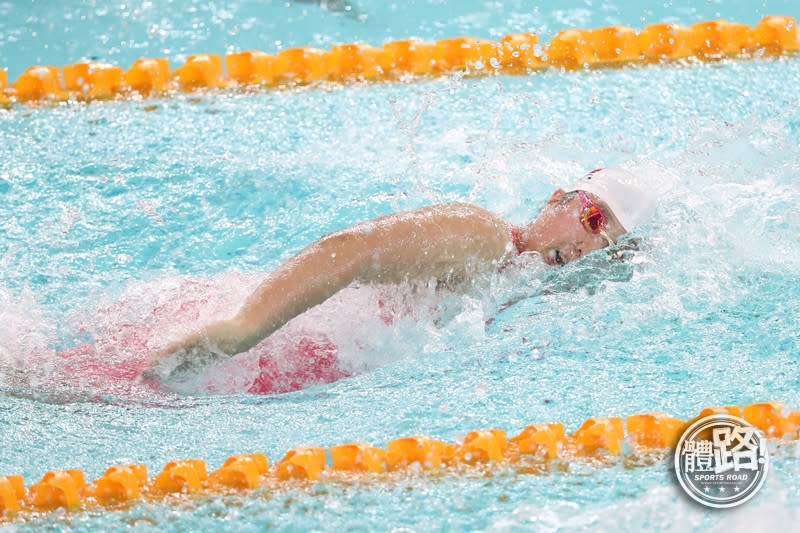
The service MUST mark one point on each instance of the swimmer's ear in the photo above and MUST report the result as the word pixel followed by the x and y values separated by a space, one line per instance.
pixel 556 196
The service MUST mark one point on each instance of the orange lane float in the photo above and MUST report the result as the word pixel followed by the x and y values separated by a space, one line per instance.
pixel 62 488
pixel 774 34
pixel 148 75
pixel 653 431
pixel 513 54
pixel 302 463
pixel 180 477
pixel 252 67
pixel 719 38
pixel 542 444
pixel 358 457
pixel 658 42
pixel 483 446
pixel 352 62
pixel 540 440
pixel 119 484
pixel 465 53
pixel 614 45
pixel 201 71
pixel 4 99
pixel 93 81
pixel 300 66
pixel 12 494
pixel 39 82
pixel 416 452
pixel 240 472
pixel 604 433
pixel 769 418
pixel 517 53
pixel 569 49
pixel 409 57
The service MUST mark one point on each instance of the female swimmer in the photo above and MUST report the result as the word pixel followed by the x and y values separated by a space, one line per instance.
pixel 444 241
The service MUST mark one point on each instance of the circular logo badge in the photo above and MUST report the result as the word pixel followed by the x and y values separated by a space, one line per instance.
pixel 721 460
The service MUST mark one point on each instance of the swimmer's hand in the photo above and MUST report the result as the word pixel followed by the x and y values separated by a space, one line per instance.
pixel 180 361
pixel 207 345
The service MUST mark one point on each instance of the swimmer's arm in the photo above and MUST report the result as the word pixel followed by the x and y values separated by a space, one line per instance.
pixel 418 244
pixel 307 279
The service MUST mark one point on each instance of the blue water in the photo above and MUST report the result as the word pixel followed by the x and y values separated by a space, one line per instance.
pixel 115 212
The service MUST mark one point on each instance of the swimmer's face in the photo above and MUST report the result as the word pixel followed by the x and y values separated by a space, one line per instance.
pixel 559 235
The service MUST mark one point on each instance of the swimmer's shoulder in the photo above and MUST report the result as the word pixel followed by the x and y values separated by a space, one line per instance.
pixel 472 223
pixel 462 210
pixel 456 217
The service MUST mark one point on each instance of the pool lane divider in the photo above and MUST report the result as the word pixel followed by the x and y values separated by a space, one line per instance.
pixel 517 53
pixel 539 448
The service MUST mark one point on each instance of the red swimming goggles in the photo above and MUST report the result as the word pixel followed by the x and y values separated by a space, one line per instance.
pixel 593 218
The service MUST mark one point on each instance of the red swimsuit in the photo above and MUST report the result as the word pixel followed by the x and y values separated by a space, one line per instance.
pixel 515 238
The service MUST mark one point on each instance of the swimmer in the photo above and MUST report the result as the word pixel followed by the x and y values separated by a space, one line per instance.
pixel 447 242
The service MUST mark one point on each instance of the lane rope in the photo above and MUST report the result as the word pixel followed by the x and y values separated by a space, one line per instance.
pixel 514 54
pixel 538 448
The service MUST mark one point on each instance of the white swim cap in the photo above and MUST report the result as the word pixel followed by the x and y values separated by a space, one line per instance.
pixel 618 190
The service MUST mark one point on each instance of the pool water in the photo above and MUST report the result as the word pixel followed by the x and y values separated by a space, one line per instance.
pixel 126 224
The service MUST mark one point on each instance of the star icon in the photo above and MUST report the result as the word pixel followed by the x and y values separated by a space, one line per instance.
pixel 722 489
pixel 736 489
pixel 707 489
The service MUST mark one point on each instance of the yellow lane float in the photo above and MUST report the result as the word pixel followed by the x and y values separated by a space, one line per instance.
pixel 601 440
pixel 514 54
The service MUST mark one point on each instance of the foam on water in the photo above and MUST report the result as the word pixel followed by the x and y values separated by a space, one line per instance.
pixel 663 508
